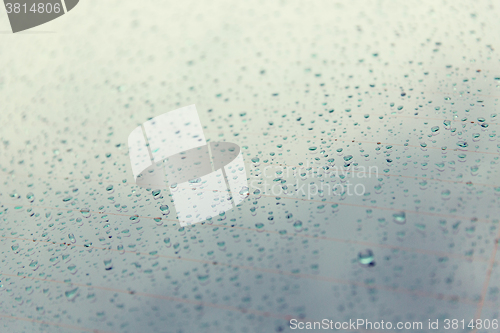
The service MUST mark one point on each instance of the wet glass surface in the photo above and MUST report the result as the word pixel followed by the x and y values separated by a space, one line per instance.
pixel 369 132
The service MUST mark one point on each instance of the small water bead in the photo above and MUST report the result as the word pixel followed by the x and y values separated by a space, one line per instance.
pixel 434 129
pixel 70 294
pixel 165 209
pixel 108 265
pixel 399 218
pixel 203 278
pixel 420 226
pixel 109 188
pixel 244 191
pixel 85 212
pixel 30 196
pixel 470 230
pixel 297 225
pixel 366 258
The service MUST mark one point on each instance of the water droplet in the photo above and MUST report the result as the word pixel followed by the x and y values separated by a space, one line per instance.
pixel 399 218
pixel 71 294
pixel 108 265
pixel 244 191
pixel 297 225
pixel 30 196
pixel 203 278
pixel 366 258
pixel 85 212
pixel 164 208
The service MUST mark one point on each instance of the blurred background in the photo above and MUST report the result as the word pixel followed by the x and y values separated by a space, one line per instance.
pixel 410 88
